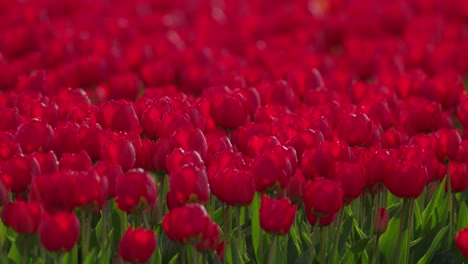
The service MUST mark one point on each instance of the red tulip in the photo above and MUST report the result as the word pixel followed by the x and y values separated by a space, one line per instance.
pixel 75 161
pixel 352 179
pixel 111 172
pixel 137 245
pixel 446 144
pixel 118 115
pixel 323 220
pixel 136 190
pixel 33 135
pixel 189 184
pixel 222 110
pixel 158 153
pixel 408 181
pixel 461 240
pixel 323 196
pixel 90 189
pixel 59 232
pixel 179 158
pixel 277 216
pixel 120 151
pixel 186 224
pixel 189 139
pixel 210 238
pixel 23 217
pixel 66 139
pixel 48 162
pixel 22 169
pixel 271 170
pixel 355 129
pixel 381 220
pixel 458 176
pixel 233 187
pixel 55 190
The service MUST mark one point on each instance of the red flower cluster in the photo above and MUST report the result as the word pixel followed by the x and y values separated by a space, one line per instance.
pixel 311 103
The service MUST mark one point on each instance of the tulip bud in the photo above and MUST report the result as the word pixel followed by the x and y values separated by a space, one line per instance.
pixel 381 220
pixel 277 216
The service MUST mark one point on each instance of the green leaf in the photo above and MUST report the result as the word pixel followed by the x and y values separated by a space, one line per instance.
pixel 91 258
pixel 388 239
pixel 417 216
pixel 462 216
pixel 353 254
pixel 14 254
pixel 433 204
pixel 256 231
pixel 435 245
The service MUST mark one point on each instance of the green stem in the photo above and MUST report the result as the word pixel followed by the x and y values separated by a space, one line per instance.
pixel 336 240
pixel 25 256
pixel 322 245
pixel 59 258
pixel 272 251
pixel 410 229
pixel 162 196
pixel 145 218
pixel 85 231
pixel 193 254
pixel 376 250
pixel 396 257
pixel 104 213
pixel 239 231
pixel 312 246
pixel 227 217
pixel 450 205
pixel 183 257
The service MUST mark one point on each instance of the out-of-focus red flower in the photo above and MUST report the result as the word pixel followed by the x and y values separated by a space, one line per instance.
pixel 189 139
pixel 119 150
pixel 75 161
pixel 186 224
pixel 323 196
pixel 271 170
pixel 461 240
pixel 118 115
pixel 59 232
pixel 355 129
pixel 458 176
pixel 111 172
pixel 408 181
pixel 136 190
pixel 137 245
pixel 210 238
pixel 47 161
pixel 33 135
pixel 23 217
pixel 189 184
pixel 233 187
pixel 277 216
pixel 352 179
pixel 223 113
pixel 446 144
pixel 21 169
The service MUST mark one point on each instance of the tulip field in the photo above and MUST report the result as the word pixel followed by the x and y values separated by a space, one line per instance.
pixel 234 131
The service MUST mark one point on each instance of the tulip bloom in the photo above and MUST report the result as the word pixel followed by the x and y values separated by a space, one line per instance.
pixel 277 216
pixel 137 245
pixel 323 196
pixel 59 232
pixel 136 190
pixel 186 224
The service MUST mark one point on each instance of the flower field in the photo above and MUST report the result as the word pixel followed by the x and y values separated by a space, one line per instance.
pixel 233 131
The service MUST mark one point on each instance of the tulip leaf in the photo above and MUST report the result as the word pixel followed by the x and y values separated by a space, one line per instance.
pixel 72 256
pixel 256 232
pixel 388 239
pixel 293 248
pixel 417 216
pixel 433 204
pixel 14 254
pixel 435 245
pixel 91 258
pixel 354 253
pixel 462 216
